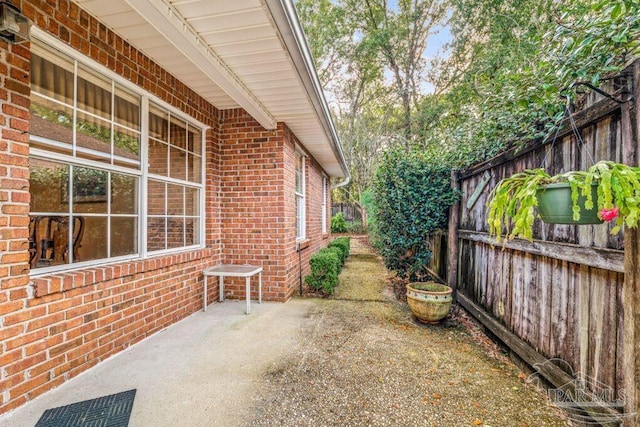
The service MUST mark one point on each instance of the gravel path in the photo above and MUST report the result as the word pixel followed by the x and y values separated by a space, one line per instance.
pixel 362 361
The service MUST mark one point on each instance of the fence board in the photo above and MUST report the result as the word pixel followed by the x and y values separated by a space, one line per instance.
pixel 564 293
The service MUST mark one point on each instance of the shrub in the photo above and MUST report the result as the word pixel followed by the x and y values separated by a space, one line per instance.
pixel 355 227
pixel 345 239
pixel 325 267
pixel 343 246
pixel 412 195
pixel 338 223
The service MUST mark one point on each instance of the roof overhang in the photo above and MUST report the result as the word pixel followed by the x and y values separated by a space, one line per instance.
pixel 250 54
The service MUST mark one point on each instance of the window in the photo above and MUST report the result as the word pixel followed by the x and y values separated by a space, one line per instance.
pixel 324 204
pixel 300 197
pixel 94 197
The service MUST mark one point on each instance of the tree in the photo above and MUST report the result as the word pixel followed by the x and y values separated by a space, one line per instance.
pixel 513 67
pixel 358 46
pixel 400 37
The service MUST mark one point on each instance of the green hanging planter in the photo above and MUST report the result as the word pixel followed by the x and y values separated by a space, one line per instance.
pixel 555 206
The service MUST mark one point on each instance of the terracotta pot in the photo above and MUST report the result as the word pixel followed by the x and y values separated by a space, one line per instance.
pixel 430 302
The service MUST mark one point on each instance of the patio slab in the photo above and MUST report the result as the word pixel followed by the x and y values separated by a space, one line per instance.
pixel 204 370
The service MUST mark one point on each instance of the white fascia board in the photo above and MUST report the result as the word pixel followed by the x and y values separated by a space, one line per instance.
pixel 166 19
pixel 286 19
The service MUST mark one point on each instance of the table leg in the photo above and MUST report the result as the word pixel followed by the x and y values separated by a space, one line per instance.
pixel 204 296
pixel 247 280
pixel 221 289
pixel 260 288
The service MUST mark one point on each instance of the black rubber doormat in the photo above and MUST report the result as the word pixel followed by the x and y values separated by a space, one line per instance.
pixel 107 411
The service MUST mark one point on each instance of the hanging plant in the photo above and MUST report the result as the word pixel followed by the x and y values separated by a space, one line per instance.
pixel 513 202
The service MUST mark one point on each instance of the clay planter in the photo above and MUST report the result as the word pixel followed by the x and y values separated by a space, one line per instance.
pixel 430 302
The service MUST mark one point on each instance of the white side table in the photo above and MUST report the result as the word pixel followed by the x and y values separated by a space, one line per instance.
pixel 233 270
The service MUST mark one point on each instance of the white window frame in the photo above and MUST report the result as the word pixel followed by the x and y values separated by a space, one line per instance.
pixel 43 38
pixel 324 203
pixel 301 200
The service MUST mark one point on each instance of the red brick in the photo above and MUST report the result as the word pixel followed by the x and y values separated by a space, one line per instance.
pixel 24 339
pixel 11 332
pixel 11 307
pixel 23 315
pixel 45 321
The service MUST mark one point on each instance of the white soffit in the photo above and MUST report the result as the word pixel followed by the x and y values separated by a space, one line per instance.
pixel 232 53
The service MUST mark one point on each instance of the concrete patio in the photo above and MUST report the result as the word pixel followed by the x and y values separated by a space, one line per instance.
pixel 201 371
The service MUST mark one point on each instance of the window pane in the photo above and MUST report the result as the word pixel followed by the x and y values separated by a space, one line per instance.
pixel 93 133
pixel 156 197
pixel 126 143
pixel 93 244
pixel 178 133
pixel 177 163
pixel 124 194
pixel 191 231
pixel 94 94
pixel 124 236
pixel 299 173
pixel 49 240
pixel 195 140
pixel 51 120
pixel 127 109
pixel 299 216
pixel 52 78
pixel 175 199
pixel 158 124
pixel 89 190
pixel 192 201
pixel 158 155
pixel 155 234
pixel 194 165
pixel 175 233
pixel 48 186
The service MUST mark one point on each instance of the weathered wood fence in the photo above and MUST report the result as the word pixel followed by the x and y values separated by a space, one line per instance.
pixel 348 210
pixel 573 293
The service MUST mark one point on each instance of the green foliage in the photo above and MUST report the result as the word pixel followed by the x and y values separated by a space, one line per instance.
pixel 346 240
pixel 355 227
pixel 338 223
pixel 514 64
pixel 412 194
pixel 344 244
pixel 512 204
pixel 102 134
pixel 325 267
pixel 513 201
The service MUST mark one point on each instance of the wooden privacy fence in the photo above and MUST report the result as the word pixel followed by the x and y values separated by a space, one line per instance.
pixel 572 294
pixel 348 210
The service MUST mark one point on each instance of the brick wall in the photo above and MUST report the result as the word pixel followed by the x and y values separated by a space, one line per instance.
pixel 56 326
pixel 14 223
pixel 258 204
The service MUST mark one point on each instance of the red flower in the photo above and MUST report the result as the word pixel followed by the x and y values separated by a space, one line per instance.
pixel 609 214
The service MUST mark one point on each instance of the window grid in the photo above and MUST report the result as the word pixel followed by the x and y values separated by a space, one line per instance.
pixel 324 204
pixel 131 125
pixel 300 197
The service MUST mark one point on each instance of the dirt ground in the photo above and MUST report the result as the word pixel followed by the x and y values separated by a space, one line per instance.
pixel 363 361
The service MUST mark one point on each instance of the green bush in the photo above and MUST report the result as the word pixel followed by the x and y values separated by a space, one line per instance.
pixel 343 246
pixel 338 223
pixel 345 239
pixel 355 227
pixel 412 195
pixel 325 267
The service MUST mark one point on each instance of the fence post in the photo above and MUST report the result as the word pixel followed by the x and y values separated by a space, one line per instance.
pixel 452 239
pixel 630 122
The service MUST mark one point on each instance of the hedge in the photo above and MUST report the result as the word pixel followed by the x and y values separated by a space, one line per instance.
pixel 326 265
